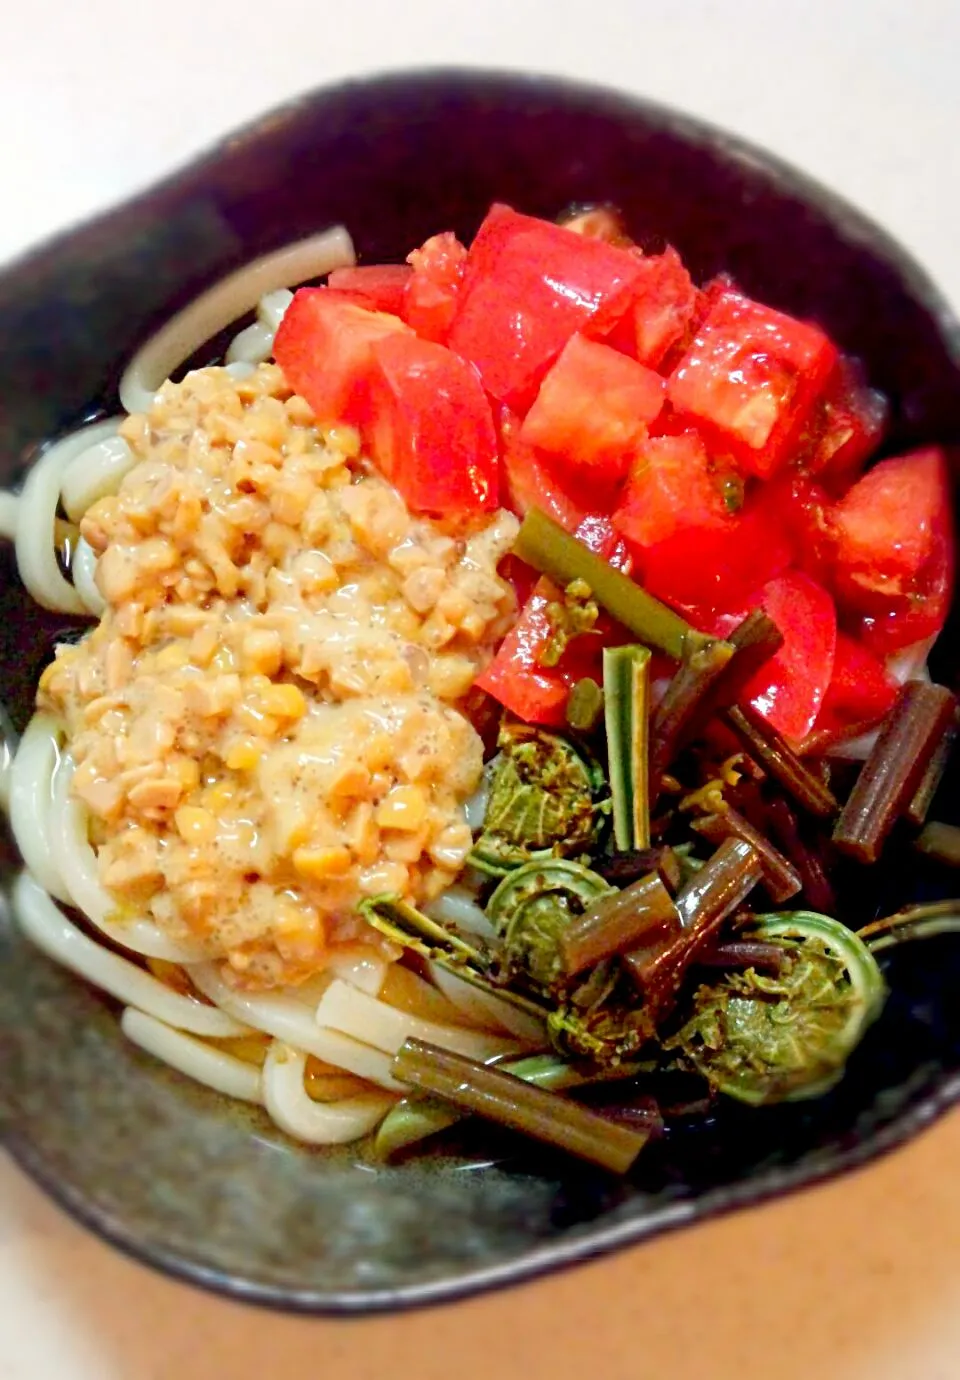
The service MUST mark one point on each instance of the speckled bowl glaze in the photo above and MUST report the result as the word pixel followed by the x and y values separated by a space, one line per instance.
pixel 170 1173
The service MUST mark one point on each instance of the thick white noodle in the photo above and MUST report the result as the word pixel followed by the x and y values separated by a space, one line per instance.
pixel 36 516
pixel 360 966
pixel 8 749
pixel 226 301
pixel 457 907
pixel 9 508
pixel 69 825
pixel 97 471
pixel 475 808
pixel 83 569
pixel 352 1012
pixel 316 1123
pixel 46 925
pixel 251 346
pixel 255 344
pixel 487 1010
pixel 289 1020
pixel 223 1072
pixel 272 307
pixel 31 801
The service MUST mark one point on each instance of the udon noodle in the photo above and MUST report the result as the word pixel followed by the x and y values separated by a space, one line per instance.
pixel 315 1054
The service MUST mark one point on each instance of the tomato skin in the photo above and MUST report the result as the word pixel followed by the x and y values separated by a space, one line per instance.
pixel 663 308
pixel 704 570
pixel 432 431
pixel 379 286
pixel 750 377
pixel 844 429
pixel 535 693
pixel 597 532
pixel 324 346
pixel 531 480
pixel 527 287
pixel 790 689
pixel 669 489
pixel 885 528
pixel 430 296
pixel 900 622
pixel 592 408
pixel 861 691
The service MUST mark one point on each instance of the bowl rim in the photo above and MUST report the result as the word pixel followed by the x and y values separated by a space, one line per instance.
pixel 586 1241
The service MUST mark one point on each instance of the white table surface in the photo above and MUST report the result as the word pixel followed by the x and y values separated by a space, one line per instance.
pixel 858 1279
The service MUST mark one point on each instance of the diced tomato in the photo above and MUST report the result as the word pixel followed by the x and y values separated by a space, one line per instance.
pixel 527 287
pixel 662 310
pixel 886 525
pixel 592 409
pixel 860 693
pixel 597 532
pixel 515 677
pixel 670 489
pixel 751 376
pixel 799 505
pixel 432 432
pixel 380 286
pixel 789 690
pixel 902 622
pixel 324 346
pixel 719 568
pixel 430 299
pixel 845 427
pixel 531 480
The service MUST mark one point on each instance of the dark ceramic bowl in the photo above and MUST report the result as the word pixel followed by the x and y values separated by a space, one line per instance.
pixel 167 1172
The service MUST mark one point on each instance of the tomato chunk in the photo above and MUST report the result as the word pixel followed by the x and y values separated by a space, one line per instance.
pixel 885 527
pixel 663 308
pixel 718 568
pixel 751 376
pixel 900 622
pixel 592 409
pixel 531 480
pixel 430 296
pixel 432 431
pixel 527 287
pixel 861 690
pixel 670 489
pixel 324 346
pixel 790 689
pixel 380 286
pixel 515 677
pixel 845 427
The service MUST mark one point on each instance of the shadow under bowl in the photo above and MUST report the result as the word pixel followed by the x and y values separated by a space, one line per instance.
pixel 172 1174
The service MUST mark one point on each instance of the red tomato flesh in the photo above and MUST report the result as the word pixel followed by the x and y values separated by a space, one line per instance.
pixel 845 428
pixel 752 375
pixel 789 690
pixel 527 287
pixel 535 693
pixel 531 480
pixel 663 308
pixel 670 489
pixel 380 286
pixel 896 623
pixel 592 409
pixel 432 431
pixel 430 297
pixel 861 691
pixel 886 525
pixel 718 568
pixel 324 346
